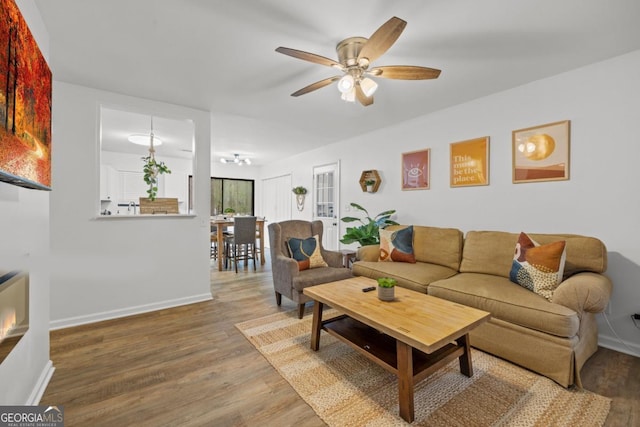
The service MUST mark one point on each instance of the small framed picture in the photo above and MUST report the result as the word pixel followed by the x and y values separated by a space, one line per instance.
pixel 415 170
pixel 541 153
pixel 469 162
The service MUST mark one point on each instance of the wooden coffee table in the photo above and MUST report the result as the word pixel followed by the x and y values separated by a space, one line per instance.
pixel 420 333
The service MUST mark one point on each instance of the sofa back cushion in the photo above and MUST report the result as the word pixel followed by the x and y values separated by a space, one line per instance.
pixel 491 252
pixel 441 246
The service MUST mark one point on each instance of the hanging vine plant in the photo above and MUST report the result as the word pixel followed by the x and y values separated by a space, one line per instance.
pixel 152 170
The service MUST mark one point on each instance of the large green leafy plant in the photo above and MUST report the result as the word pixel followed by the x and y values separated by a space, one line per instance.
pixel 368 233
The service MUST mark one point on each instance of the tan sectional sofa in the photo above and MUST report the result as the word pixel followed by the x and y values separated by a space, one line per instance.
pixel 554 338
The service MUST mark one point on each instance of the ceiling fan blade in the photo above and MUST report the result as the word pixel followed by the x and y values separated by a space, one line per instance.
pixel 405 72
pixel 382 39
pixel 311 57
pixel 315 86
pixel 362 98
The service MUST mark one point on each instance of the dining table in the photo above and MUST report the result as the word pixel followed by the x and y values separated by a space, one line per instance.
pixel 222 223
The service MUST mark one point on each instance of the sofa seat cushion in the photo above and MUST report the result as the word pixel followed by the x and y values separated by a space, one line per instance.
pixel 317 276
pixel 508 301
pixel 416 276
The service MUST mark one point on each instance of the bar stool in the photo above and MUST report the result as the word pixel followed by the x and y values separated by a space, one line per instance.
pixel 214 241
pixel 258 237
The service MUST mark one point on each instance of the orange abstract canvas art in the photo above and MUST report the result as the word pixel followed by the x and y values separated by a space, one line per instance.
pixel 25 104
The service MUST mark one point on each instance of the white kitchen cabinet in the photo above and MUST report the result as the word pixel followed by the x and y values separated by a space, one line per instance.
pixel 108 183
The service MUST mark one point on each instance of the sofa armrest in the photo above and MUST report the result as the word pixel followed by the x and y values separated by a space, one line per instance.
pixel 584 292
pixel 333 258
pixel 368 253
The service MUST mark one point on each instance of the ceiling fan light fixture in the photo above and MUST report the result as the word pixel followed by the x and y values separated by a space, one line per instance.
pixel 355 56
pixel 142 139
pixel 368 86
pixel 349 96
pixel 346 83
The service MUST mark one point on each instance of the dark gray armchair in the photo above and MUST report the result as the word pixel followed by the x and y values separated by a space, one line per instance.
pixel 287 280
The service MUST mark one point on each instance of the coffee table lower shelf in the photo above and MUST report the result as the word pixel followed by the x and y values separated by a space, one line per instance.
pixel 382 349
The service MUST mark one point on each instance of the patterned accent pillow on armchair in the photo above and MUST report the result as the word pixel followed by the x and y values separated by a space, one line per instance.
pixel 397 245
pixel 306 252
pixel 536 267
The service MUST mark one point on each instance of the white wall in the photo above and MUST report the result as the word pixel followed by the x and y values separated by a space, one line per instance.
pixel 601 198
pixel 24 227
pixel 108 267
pixel 300 168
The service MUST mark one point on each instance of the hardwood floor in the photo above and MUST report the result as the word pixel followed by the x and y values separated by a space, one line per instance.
pixel 189 366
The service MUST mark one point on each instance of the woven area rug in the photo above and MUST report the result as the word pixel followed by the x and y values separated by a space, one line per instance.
pixel 346 389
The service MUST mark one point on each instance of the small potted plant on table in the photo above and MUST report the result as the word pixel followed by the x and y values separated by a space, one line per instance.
pixel 386 288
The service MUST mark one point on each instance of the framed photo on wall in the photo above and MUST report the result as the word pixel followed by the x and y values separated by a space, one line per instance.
pixel 541 153
pixel 415 170
pixel 469 162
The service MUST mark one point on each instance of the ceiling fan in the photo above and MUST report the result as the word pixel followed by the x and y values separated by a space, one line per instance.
pixel 355 54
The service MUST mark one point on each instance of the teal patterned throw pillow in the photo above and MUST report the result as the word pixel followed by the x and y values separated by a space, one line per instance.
pixel 306 252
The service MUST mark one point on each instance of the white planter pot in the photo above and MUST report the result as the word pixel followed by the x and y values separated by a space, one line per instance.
pixel 386 294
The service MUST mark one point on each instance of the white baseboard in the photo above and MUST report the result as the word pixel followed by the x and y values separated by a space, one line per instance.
pixel 41 385
pixel 618 345
pixel 129 311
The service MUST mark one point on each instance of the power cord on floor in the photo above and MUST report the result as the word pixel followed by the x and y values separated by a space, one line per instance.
pixel 617 336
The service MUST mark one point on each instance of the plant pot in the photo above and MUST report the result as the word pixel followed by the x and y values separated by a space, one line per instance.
pixel 386 294
pixel 300 202
pixel 369 188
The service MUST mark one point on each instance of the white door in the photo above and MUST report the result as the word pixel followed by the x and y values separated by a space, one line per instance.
pixel 326 205
pixel 276 201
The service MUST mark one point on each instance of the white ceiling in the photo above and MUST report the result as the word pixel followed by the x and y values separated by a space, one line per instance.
pixel 219 56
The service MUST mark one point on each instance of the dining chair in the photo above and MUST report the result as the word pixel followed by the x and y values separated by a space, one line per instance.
pixel 215 252
pixel 258 238
pixel 242 244
pixel 214 242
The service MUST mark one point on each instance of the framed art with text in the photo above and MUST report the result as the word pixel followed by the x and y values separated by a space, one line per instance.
pixel 469 162
pixel 25 104
pixel 415 170
pixel 541 153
